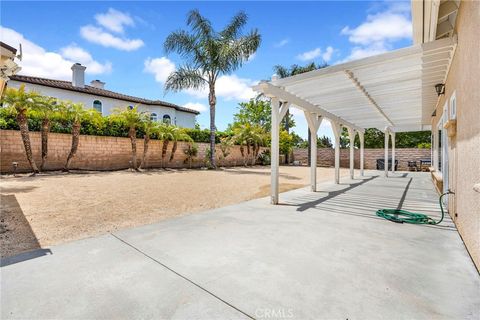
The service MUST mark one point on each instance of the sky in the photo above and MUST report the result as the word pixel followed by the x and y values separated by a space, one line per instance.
pixel 121 43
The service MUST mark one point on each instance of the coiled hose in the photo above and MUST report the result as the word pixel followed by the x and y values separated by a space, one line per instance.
pixel 401 216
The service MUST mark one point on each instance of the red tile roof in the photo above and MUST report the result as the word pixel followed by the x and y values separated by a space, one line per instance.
pixel 67 85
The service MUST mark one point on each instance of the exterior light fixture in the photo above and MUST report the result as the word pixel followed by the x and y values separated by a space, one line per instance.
pixel 440 88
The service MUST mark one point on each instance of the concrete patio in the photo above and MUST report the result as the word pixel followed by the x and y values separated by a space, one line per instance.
pixel 322 255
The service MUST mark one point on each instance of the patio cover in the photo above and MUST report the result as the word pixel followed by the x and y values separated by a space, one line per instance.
pixel 393 92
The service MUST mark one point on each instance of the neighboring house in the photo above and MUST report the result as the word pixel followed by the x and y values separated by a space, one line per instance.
pixel 104 101
pixel 8 67
pixel 456 119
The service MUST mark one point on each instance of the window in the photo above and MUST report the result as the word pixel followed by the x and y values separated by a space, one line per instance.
pixel 453 106
pixel 97 105
pixel 130 107
pixel 167 119
pixel 153 117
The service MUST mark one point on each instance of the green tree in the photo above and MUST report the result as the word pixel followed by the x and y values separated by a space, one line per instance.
pixel 255 111
pixel 149 128
pixel 250 137
pixel 45 108
pixel 19 102
pixel 133 119
pixel 75 114
pixel 208 55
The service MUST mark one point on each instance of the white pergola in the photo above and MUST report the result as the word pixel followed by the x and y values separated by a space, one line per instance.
pixel 393 92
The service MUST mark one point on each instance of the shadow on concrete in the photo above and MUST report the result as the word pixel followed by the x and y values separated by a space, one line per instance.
pixel 332 194
pixel 16 234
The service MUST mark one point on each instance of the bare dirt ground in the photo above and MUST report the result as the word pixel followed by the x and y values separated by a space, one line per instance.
pixel 55 207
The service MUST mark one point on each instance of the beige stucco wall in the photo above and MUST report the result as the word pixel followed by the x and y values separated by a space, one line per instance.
pixel 464 149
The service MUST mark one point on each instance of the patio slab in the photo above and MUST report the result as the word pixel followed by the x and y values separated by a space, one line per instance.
pixel 317 255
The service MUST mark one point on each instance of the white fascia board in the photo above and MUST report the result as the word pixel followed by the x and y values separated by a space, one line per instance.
pixel 273 91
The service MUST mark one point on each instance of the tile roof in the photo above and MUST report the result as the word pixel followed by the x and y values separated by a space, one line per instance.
pixel 67 85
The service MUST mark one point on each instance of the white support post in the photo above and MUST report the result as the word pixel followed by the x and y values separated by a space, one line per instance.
pixel 361 136
pixel 275 151
pixel 393 151
pixel 314 121
pixel 337 130
pixel 387 136
pixel 351 135
pixel 435 149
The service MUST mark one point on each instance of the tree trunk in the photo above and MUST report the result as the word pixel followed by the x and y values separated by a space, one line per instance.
pixel 132 133
pixel 164 151
pixel 212 100
pixel 45 132
pixel 23 124
pixel 174 149
pixel 75 141
pixel 146 140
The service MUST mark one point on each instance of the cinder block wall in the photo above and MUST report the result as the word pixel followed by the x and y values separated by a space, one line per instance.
pixel 326 157
pixel 101 153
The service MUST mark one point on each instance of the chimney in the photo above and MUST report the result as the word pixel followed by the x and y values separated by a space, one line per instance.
pixel 78 75
pixel 97 84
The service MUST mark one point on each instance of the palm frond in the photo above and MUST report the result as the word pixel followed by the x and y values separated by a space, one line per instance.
pixel 200 24
pixel 185 77
pixel 235 52
pixel 235 26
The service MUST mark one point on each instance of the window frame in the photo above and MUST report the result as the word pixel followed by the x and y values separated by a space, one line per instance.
pixel 101 106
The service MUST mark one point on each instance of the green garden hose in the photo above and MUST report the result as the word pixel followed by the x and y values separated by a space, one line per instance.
pixel 401 216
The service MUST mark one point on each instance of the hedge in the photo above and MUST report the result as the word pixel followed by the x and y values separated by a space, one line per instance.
pixel 107 126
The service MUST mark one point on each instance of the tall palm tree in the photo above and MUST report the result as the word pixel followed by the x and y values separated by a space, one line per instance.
pixel 133 119
pixel 75 112
pixel 45 108
pixel 19 101
pixel 209 54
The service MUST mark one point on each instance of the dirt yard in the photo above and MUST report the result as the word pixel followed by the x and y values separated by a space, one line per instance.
pixel 53 208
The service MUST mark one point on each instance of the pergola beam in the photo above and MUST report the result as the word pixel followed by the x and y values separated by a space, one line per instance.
pixel 364 91
pixel 274 91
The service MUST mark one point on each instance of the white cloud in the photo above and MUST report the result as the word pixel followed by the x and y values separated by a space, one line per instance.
pixel 281 43
pixel 161 67
pixel 377 34
pixel 317 52
pixel 77 54
pixel 196 106
pixel 39 62
pixel 381 27
pixel 310 55
pixel 229 87
pixel 327 55
pixel 103 38
pixel 114 20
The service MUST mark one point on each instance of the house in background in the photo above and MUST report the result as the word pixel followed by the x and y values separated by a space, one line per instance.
pixel 8 67
pixel 104 101
pixel 456 118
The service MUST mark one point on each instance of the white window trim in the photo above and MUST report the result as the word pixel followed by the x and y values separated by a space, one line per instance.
pixel 453 105
pixel 154 116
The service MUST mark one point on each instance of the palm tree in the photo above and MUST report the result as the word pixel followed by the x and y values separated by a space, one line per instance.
pixel 149 127
pixel 133 120
pixel 209 54
pixel 19 101
pixel 252 137
pixel 46 108
pixel 178 135
pixel 75 112
pixel 166 133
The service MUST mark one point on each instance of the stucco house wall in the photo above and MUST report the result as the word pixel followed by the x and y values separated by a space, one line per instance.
pixel 464 148
pixel 182 119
